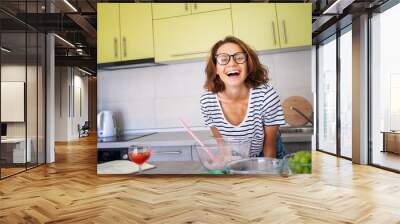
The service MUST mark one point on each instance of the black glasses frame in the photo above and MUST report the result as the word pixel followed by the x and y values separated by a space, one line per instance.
pixel 231 56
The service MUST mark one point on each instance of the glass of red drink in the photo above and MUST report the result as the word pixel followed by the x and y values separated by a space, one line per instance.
pixel 139 154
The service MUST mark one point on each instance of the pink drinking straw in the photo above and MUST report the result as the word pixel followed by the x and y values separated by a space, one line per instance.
pixel 197 139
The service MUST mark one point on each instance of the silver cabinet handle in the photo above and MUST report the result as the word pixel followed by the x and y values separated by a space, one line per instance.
pixel 189 53
pixel 195 5
pixel 284 31
pixel 115 47
pixel 186 6
pixel 273 32
pixel 169 152
pixel 124 44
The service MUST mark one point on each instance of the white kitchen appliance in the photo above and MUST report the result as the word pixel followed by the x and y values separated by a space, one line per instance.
pixel 106 124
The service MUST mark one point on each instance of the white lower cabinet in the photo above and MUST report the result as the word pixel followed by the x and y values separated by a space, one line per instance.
pixel 195 155
pixel 171 153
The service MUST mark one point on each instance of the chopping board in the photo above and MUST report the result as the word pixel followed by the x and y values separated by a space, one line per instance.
pixel 121 167
pixel 300 103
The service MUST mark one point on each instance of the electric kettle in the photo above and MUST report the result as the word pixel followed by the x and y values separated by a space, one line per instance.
pixel 106 124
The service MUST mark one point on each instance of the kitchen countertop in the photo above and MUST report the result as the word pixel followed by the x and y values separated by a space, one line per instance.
pixel 176 167
pixel 184 139
pixel 296 137
pixel 160 139
pixel 161 167
pixel 169 167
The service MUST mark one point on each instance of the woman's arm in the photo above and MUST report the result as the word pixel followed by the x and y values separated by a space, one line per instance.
pixel 216 134
pixel 270 140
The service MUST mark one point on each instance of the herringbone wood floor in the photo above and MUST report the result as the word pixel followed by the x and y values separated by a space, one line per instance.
pixel 70 191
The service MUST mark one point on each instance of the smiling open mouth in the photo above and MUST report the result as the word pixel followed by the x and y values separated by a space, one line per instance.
pixel 230 74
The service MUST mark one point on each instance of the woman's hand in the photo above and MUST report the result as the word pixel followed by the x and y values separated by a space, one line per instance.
pixel 270 141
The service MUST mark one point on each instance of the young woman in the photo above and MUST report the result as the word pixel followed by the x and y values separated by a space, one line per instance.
pixel 240 101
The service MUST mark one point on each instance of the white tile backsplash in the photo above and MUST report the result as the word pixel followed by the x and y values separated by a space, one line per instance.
pixel 291 73
pixel 180 80
pixel 170 110
pixel 126 85
pixel 169 84
pixel 136 114
pixel 156 97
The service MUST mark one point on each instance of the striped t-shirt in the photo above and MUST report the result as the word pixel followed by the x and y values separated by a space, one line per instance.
pixel 264 109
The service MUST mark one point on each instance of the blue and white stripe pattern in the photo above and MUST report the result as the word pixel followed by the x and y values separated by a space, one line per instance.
pixel 264 109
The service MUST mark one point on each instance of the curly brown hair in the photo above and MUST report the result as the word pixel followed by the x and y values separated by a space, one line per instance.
pixel 257 73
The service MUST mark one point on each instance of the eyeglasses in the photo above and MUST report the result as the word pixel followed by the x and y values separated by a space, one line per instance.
pixel 223 59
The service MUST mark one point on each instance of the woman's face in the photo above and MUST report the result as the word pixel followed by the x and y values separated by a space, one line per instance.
pixel 234 72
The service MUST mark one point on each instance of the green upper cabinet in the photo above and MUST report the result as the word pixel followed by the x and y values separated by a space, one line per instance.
pixel 165 10
pixel 295 23
pixel 188 37
pixel 175 31
pixel 125 32
pixel 136 31
pixel 207 7
pixel 108 34
pixel 256 24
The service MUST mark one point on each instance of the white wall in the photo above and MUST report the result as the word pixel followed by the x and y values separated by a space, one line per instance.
pixel 68 83
pixel 155 97
pixel 61 103
pixel 291 73
pixel 33 127
pixel 79 117
pixel 12 73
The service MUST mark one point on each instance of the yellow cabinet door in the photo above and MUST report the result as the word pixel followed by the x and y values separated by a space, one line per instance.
pixel 256 25
pixel 165 10
pixel 189 37
pixel 295 23
pixel 108 33
pixel 136 31
pixel 206 7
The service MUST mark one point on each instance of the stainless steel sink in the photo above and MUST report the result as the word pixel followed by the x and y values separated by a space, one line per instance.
pixel 296 130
